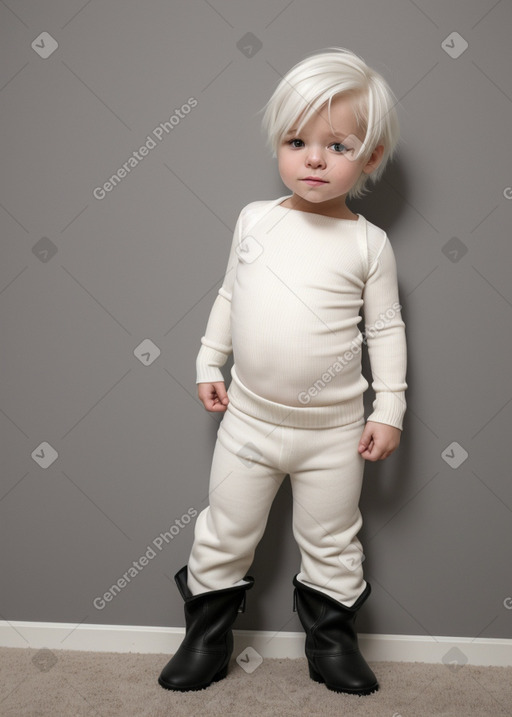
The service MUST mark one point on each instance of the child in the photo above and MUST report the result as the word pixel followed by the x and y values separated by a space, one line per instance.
pixel 299 269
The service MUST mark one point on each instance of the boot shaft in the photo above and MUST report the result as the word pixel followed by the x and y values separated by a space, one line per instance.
pixel 327 622
pixel 204 654
pixel 210 615
pixel 331 641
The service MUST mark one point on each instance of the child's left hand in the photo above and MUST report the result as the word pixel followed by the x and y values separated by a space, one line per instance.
pixel 378 441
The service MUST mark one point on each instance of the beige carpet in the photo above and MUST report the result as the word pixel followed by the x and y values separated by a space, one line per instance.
pixel 44 683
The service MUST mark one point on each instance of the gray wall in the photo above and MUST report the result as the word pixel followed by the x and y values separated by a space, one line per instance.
pixel 84 280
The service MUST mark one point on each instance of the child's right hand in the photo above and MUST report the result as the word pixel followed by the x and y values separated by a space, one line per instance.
pixel 213 396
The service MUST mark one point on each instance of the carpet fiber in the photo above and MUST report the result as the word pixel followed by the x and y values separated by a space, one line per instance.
pixel 62 683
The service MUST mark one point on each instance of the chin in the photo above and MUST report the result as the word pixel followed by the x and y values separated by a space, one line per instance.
pixel 311 197
pixel 317 199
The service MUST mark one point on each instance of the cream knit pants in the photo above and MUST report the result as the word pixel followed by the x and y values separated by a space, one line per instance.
pixel 250 460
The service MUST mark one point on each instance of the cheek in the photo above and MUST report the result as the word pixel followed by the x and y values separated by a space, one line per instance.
pixel 348 170
pixel 283 163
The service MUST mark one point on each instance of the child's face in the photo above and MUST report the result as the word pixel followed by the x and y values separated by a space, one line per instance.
pixel 330 158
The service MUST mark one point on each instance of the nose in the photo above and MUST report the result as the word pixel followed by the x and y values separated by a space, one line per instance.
pixel 315 158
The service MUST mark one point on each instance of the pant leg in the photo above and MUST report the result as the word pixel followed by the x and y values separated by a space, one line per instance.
pixel 244 479
pixel 326 478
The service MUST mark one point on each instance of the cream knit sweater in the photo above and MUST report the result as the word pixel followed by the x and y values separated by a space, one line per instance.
pixel 288 309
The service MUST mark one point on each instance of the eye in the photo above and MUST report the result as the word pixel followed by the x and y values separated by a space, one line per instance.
pixel 297 143
pixel 339 148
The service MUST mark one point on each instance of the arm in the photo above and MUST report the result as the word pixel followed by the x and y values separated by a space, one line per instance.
pixel 385 336
pixel 216 343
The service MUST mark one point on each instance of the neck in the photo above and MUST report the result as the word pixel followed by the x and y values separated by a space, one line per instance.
pixel 335 208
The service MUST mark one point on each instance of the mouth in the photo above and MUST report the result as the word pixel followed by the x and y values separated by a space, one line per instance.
pixel 314 181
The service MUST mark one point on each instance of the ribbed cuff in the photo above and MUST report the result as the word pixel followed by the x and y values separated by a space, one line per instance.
pixel 389 407
pixel 208 364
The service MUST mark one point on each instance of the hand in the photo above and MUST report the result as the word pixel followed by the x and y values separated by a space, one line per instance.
pixel 378 440
pixel 213 396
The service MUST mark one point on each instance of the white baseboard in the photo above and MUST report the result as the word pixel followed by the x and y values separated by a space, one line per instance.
pixel 453 651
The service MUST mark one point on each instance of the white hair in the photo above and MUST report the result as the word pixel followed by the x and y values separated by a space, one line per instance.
pixel 315 81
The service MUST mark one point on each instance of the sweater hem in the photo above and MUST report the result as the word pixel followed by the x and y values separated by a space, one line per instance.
pixel 243 399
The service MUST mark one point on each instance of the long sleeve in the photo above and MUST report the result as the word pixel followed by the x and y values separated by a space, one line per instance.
pixel 385 336
pixel 216 343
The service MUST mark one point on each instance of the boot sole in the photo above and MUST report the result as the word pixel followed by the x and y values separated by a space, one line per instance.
pixel 317 677
pixel 219 676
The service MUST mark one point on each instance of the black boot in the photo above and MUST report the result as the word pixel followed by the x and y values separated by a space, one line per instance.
pixel 331 641
pixel 204 654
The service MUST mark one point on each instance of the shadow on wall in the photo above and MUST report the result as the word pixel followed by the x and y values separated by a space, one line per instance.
pixel 385 481
pixel 385 201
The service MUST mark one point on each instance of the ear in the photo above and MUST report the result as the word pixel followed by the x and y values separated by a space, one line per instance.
pixel 375 159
